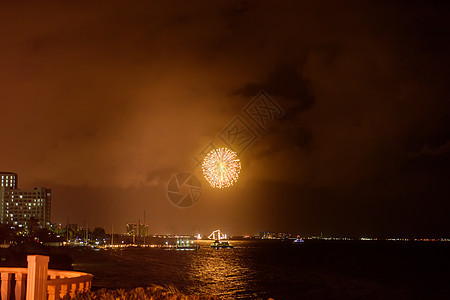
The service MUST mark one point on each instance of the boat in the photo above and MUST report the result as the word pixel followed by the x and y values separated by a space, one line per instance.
pixel 221 244
pixel 298 240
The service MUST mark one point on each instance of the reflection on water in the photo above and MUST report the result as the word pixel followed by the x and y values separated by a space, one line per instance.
pixel 263 269
pixel 229 273
pixel 224 272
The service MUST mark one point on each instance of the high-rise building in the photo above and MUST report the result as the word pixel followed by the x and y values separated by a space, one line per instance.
pixel 20 206
pixel 137 229
pixel 8 181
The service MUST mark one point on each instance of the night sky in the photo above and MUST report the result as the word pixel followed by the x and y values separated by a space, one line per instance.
pixel 104 103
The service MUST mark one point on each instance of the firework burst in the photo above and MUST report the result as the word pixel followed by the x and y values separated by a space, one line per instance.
pixel 221 168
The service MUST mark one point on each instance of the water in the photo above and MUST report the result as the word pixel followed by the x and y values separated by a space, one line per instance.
pixel 263 269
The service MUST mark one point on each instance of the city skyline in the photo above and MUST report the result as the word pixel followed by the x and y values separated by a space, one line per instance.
pixel 104 106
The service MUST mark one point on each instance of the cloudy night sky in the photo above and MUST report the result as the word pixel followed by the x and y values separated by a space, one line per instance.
pixel 104 102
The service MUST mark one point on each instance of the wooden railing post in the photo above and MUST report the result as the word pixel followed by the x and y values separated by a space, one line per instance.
pixel 41 283
pixel 20 285
pixel 54 288
pixel 6 285
pixel 63 290
pixel 73 289
pixel 37 277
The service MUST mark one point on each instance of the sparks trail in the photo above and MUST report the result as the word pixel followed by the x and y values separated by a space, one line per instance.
pixel 221 168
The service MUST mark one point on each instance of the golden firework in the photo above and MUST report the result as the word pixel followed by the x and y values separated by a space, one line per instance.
pixel 221 168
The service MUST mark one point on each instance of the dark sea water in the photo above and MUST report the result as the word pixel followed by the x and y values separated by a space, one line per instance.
pixel 280 270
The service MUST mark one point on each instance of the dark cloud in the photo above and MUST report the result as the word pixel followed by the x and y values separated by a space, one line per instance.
pixel 283 82
pixel 105 103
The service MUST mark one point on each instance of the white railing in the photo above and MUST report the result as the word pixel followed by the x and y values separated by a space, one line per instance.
pixel 67 282
pixel 38 283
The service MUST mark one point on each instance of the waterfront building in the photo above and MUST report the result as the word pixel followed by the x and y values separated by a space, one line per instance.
pixel 274 235
pixel 137 229
pixel 22 207
pixel 268 235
